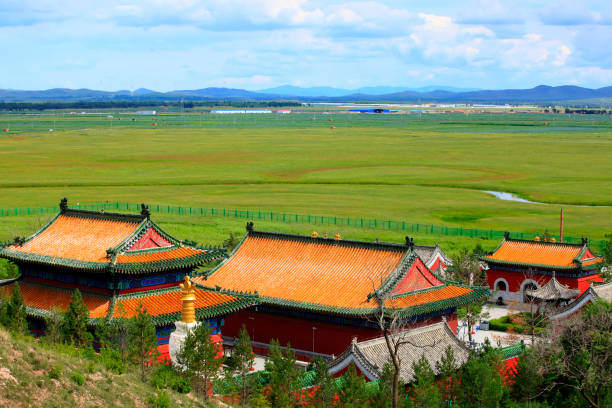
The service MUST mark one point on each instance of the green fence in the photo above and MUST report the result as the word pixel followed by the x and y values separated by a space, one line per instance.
pixel 355 222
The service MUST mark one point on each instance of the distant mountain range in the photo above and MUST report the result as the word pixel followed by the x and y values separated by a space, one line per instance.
pixel 539 94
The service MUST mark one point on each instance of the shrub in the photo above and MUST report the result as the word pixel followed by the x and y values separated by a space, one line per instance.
pixel 165 376
pixel 78 378
pixel 112 361
pixel 56 372
pixel 162 400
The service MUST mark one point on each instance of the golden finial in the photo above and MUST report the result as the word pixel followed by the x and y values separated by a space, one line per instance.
pixel 188 298
pixel 553 240
pixel 337 237
pixel 314 234
pixel 537 239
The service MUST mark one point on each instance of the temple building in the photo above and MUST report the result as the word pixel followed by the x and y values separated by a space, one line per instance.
pixel 592 294
pixel 117 261
pixel 517 266
pixel 319 293
pixel 370 356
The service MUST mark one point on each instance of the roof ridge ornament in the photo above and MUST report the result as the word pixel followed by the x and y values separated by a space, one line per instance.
pixel 144 211
pixel 506 235
pixel 63 204
pixel 409 242
pixel 249 226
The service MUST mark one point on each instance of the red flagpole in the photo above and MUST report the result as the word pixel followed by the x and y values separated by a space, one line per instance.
pixel 561 229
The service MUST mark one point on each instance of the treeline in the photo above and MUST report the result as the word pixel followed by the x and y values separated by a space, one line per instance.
pixel 586 111
pixel 123 104
pixel 570 370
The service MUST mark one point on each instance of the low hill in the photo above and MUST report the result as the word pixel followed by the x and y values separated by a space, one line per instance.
pixel 541 94
pixel 36 375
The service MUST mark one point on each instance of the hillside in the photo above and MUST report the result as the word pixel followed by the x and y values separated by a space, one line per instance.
pixel 33 374
pixel 539 94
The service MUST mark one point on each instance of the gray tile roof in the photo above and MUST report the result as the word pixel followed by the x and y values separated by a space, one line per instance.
pixel 553 290
pixel 604 291
pixel 370 356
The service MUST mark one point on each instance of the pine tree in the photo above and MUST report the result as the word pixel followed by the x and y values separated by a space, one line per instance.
pixel 76 318
pixel 327 390
pixel 284 376
pixel 119 331
pixel 447 372
pixel 53 326
pixel 481 383
pixel 527 378
pixel 199 358
pixel 142 339
pixel 382 398
pixel 243 359
pixel 13 314
pixel 353 389
pixel 424 391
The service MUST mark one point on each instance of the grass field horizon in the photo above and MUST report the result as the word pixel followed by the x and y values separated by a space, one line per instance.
pixel 386 167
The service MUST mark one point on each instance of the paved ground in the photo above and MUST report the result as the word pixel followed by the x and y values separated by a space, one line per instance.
pixel 495 337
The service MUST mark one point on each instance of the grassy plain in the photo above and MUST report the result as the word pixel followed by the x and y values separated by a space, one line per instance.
pixel 414 168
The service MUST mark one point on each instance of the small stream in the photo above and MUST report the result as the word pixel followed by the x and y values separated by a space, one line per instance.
pixel 502 195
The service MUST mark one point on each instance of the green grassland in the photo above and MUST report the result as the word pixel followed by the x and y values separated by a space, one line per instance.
pixel 414 168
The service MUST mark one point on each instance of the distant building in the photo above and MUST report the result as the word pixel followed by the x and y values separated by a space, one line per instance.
pixel 517 266
pixel 235 111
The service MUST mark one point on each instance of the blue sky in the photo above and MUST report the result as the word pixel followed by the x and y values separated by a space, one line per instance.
pixel 190 44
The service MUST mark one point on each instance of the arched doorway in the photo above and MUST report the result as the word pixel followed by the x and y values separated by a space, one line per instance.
pixel 501 285
pixel 526 287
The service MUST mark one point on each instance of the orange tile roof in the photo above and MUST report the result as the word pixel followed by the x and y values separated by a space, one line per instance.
pixel 47 298
pixel 325 272
pixel 84 239
pixel 169 301
pixel 156 256
pixel 540 253
pixel 429 296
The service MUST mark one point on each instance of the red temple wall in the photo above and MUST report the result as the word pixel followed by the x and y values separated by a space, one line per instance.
pixel 515 279
pixel 329 338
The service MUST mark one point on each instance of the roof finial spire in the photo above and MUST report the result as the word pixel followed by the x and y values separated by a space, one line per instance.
pixel 188 298
pixel 63 204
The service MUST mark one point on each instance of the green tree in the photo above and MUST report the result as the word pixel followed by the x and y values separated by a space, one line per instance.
pixel 606 253
pixel 284 376
pixel 424 392
pixel 353 391
pixel 75 321
pixel 481 382
pixel 447 368
pixel 580 356
pixel 53 326
pixel 13 311
pixel 327 390
pixel 383 396
pixel 8 269
pixel 199 358
pixel 141 339
pixel 119 326
pixel 242 363
pixel 528 381
pixel 231 242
